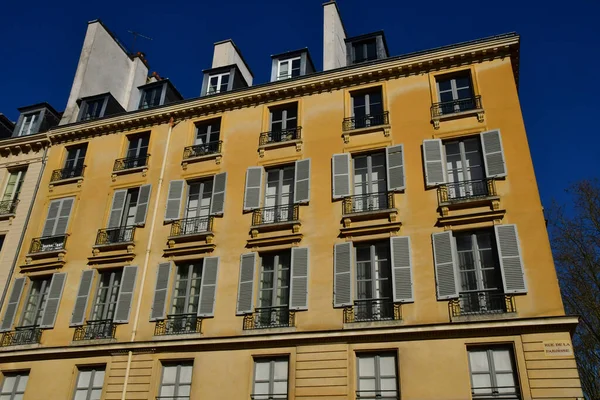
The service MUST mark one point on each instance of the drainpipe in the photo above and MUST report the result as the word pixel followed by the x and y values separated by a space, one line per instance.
pixel 22 238
pixel 147 256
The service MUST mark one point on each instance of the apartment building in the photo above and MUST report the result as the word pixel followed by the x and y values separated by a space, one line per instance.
pixel 371 231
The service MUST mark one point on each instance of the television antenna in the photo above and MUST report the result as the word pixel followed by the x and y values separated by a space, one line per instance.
pixel 135 36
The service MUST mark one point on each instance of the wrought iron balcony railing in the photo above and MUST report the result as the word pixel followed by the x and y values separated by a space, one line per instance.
pixel 191 226
pixel 284 135
pixel 377 395
pixel 21 335
pixel 368 202
pixel 122 234
pixel 268 396
pixel 67 173
pixel 8 206
pixel 48 243
pixel 372 310
pixel 365 121
pixel 270 317
pixel 123 164
pixel 178 324
pixel 273 215
pixel 455 106
pixel 202 149
pixel 482 302
pixel 98 329
pixel 496 393
pixel 456 192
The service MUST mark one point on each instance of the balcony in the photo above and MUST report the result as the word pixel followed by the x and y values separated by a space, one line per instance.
pixel 191 226
pixel 95 330
pixel 201 150
pixel 367 211
pixel 457 108
pixel 466 191
pixel 131 163
pixel 115 236
pixel 291 136
pixel 178 324
pixel 275 215
pixel 366 121
pixel 68 173
pixel 370 310
pixel 377 395
pixel 8 207
pixel 496 393
pixel 21 335
pixel 270 317
pixel 368 203
pixel 482 303
pixel 48 244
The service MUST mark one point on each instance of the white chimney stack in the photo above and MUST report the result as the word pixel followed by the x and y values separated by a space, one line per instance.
pixel 227 53
pixel 334 34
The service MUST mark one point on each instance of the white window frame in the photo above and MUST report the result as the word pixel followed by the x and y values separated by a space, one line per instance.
pixel 191 266
pixel 378 376
pixel 89 388
pixel 277 270
pixel 289 74
pixel 177 384
pixel 39 307
pixel 272 380
pixel 453 86
pixel 34 116
pixel 13 393
pixel 154 91
pixel 18 184
pixel 106 304
pixel 219 82
pixel 492 372
pixel 211 135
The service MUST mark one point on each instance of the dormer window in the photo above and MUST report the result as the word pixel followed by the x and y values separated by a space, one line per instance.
pixel 158 93
pixel 218 83
pixel 369 47
pixel 291 64
pixel 288 68
pixel 98 107
pixel 151 97
pixel 35 119
pixel 364 51
pixel 28 124
pixel 92 109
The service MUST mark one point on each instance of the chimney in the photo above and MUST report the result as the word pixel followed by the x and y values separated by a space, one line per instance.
pixel 226 53
pixel 334 34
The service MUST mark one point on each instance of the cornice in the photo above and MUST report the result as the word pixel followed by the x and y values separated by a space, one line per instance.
pixel 390 68
pixel 24 144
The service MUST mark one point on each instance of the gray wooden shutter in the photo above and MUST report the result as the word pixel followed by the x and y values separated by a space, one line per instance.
pixel 13 304
pixel 142 204
pixel 395 167
pixel 445 265
pixel 174 200
pixel 253 190
pixel 55 291
pixel 51 217
pixel 493 154
pixel 343 282
pixel 62 222
pixel 340 175
pixel 217 203
pixel 159 302
pixel 433 157
pixel 302 181
pixel 83 294
pixel 116 209
pixel 299 279
pixel 511 263
pixel 125 295
pixel 402 281
pixel 245 301
pixel 208 289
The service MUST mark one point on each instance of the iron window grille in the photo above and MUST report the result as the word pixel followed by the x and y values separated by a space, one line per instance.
pixel 123 164
pixel 178 324
pixel 48 243
pixel 123 234
pixel 22 335
pixel 270 317
pixel 93 330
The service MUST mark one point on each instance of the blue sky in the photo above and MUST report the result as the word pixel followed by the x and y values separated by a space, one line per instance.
pixel 41 42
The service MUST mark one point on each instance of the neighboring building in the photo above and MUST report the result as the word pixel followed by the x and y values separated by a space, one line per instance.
pixel 396 248
pixel 6 127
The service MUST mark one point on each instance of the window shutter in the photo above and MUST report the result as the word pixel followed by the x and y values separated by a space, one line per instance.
pixel 511 263
pixel 83 294
pixel 493 154
pixel 299 279
pixel 159 303
pixel 433 157
pixel 217 203
pixel 302 181
pixel 208 290
pixel 253 190
pixel 55 291
pixel 342 265
pixel 51 218
pixel 401 269
pixel 63 217
pixel 142 204
pixel 125 295
pixel 116 209
pixel 395 167
pixel 445 265
pixel 341 175
pixel 174 200
pixel 13 304
pixel 245 301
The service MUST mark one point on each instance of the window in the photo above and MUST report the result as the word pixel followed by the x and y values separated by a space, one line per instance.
pixel 198 199
pixel 74 161
pixel 377 376
pixel 207 132
pixel 284 118
pixel 186 293
pixel 367 108
pixel 28 124
pixel 109 283
pixel 176 381
pixel 373 282
pixel 288 68
pixel 13 187
pixel 13 386
pixel 279 195
pixel 274 290
pixel 364 51
pixel 92 109
pixel 493 373
pixel 218 83
pixel 457 92
pixel 138 148
pixel 370 183
pixel 36 302
pixel 270 379
pixel 131 203
pixel 89 384
pixel 479 271
pixel 464 168
pixel 151 97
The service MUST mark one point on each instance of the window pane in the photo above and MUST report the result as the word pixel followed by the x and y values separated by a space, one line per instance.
pixel 366 384
pixel 388 384
pixel 444 85
pixel 9 383
pixel 98 378
pixel 479 361
pixel 185 374
pixel 366 366
pixel 387 365
pixel 262 371
pixel 84 379
pixel 281 370
pixel 169 374
pixel 463 82
pixel 183 391
pixel 502 360
pixel 482 381
pixel 96 394
pixel 261 388
pixel 280 388
pixel 167 391
pixel 446 96
pixel 81 395
pixel 22 383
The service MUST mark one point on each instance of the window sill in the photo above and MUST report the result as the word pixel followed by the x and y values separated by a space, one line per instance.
pixel 78 179
pixel 216 156
pixel 371 227
pixel 186 336
pixel 262 148
pixel 479 112
pixel 470 218
pixel 114 253
pixel 21 347
pixel 385 129
pixel 143 170
pixel 484 317
pixel 372 324
pixel 92 341
pixel 269 331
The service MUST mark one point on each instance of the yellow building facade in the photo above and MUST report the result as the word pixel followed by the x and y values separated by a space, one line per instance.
pixel 369 232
